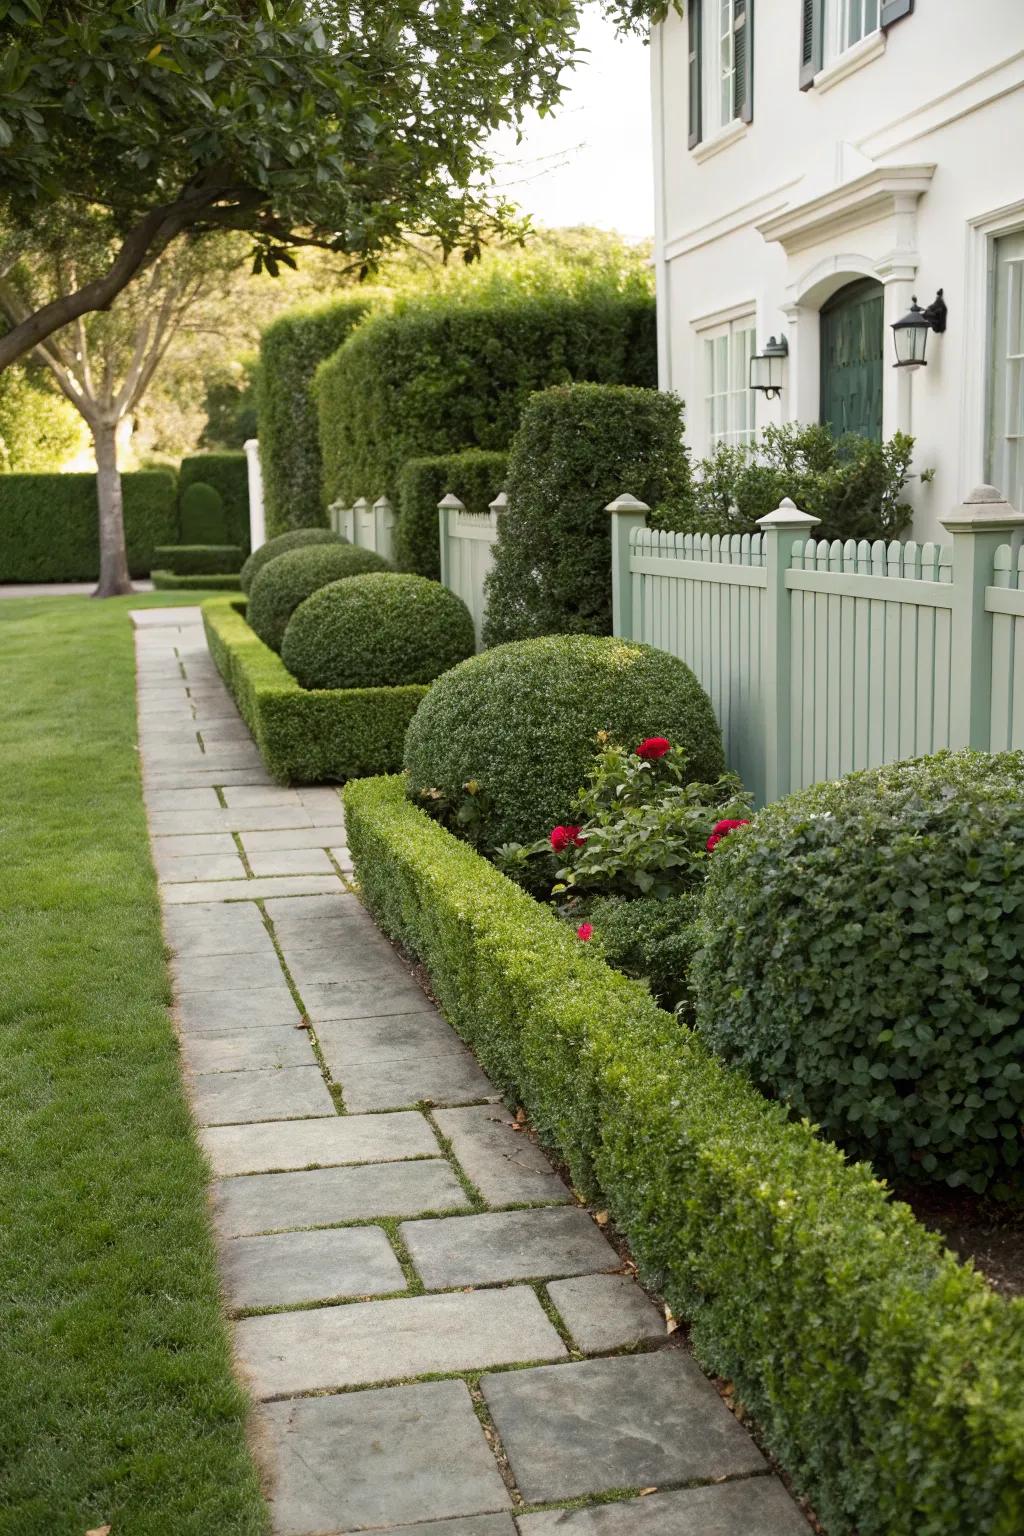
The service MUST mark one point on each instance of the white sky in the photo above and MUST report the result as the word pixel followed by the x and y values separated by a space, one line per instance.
pixel 589 162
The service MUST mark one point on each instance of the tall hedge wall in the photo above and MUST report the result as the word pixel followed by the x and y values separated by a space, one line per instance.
pixel 228 473
pixel 475 477
pixel 290 350
pixel 49 524
pixel 436 378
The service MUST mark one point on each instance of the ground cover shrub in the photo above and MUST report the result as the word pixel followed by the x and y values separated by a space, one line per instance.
pixel 436 376
pixel 863 959
pixel 171 581
pixel 377 631
pixel 297 538
pixel 228 475
pixel 853 484
pixel 290 350
pixel 577 449
pixel 198 559
pixel 287 581
pixel 503 741
pixel 49 524
pixel 888 1379
pixel 305 736
pixel 475 477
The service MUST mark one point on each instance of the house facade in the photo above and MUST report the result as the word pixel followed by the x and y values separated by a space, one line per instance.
pixel 818 164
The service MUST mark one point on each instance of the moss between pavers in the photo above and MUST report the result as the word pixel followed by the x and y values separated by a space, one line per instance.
pixel 305 736
pixel 886 1378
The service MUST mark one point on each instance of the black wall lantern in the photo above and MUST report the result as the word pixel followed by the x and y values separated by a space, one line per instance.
pixel 911 333
pixel 766 367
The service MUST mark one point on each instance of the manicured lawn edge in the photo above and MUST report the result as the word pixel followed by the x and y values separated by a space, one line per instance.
pixel 885 1376
pixel 305 736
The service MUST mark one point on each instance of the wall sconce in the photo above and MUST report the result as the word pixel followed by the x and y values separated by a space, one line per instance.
pixel 911 333
pixel 766 367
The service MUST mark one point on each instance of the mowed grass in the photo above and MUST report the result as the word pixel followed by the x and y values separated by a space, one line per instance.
pixel 117 1402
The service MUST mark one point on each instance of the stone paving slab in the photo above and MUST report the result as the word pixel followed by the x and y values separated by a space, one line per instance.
pixel 505 1164
pixel 295 1144
pixel 259 794
pixel 343 858
pixel 215 973
pixel 606 1312
pixel 756 1506
pixel 203 776
pixel 294 861
pixel 240 819
pixel 200 866
pixel 507 1245
pixel 383 997
pixel 205 891
pixel 474 1525
pixel 311 909
pixel 321 1197
pixel 288 1268
pixel 376 1341
pixel 271 1004
pixel 241 1050
pixel 389 1037
pixel 199 842
pixel 330 935
pixel 450 1078
pixel 196 930
pixel 360 960
pixel 383 1456
pixel 270 1093
pixel 631 1422
pixel 283 840
pixel 183 799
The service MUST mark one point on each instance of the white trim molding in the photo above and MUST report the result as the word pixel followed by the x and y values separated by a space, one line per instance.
pixel 850 60
pixel 730 134
pixel 982 230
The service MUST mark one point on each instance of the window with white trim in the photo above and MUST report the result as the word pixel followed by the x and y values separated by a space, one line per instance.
pixel 1006 380
pixel 719 65
pixel 728 398
pixel 848 22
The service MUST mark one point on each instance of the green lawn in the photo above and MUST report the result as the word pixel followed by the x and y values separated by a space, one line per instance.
pixel 117 1403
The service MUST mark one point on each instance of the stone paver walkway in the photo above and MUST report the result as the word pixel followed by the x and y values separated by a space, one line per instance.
pixel 439 1340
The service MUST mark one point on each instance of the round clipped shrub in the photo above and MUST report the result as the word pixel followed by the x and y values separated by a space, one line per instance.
pixel 297 538
pixel 518 723
pixel 863 958
pixel 377 631
pixel 289 579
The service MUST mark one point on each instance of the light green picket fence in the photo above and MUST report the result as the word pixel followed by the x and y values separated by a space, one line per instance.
pixel 820 658
pixel 467 551
pixel 371 527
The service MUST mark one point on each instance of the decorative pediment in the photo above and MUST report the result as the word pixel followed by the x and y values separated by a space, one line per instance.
pixel 885 192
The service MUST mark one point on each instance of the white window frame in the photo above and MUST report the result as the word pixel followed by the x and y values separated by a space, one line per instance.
pixel 728 400
pixel 718 66
pixel 1004 461
pixel 848 24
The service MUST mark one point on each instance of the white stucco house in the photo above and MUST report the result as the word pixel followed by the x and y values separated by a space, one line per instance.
pixel 817 164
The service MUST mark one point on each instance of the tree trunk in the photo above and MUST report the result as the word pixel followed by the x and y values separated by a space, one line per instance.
pixel 114 577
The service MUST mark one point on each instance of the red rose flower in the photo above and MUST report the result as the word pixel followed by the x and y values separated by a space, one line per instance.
pixel 722 829
pixel 561 837
pixel 585 931
pixel 653 748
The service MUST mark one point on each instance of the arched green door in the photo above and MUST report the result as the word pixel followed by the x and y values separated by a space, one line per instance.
pixel 852 356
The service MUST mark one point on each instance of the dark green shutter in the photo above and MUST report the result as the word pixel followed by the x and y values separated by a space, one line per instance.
pixel 743 58
pixel 810 42
pixel 695 19
pixel 895 10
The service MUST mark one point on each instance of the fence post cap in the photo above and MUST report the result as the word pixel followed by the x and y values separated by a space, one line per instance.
pixel 627 503
pixel 382 504
pixel 452 502
pixel 985 509
pixel 360 503
pixel 788 515
pixel 499 503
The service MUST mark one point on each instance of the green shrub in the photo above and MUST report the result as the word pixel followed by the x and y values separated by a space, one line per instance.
pixel 284 583
pixel 520 722
pixel 435 377
pixel 577 450
pixel 863 960
pixel 305 737
pixel 171 581
pixel 228 475
pixel 653 940
pixel 198 559
pixel 290 350
pixel 377 631
pixel 853 484
pixel 475 477
pixel 201 514
pixel 887 1379
pixel 49 524
pixel 298 538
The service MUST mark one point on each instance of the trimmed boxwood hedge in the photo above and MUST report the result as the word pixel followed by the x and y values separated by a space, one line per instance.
pixel 284 583
pixel 290 350
pixel 296 538
pixel 887 1378
pixel 228 474
pixel 305 737
pixel 49 524
pixel 475 477
pixel 198 559
pixel 170 581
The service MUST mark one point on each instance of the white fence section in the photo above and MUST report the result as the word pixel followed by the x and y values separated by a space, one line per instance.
pixel 467 551
pixel 371 527
pixel 257 517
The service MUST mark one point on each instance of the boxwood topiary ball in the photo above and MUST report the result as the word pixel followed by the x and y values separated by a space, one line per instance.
pixel 521 721
pixel 377 631
pixel 863 958
pixel 288 580
pixel 296 538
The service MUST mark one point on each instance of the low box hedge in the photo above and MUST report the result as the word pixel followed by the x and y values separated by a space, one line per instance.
pixel 886 1377
pixel 171 581
pixel 198 559
pixel 305 737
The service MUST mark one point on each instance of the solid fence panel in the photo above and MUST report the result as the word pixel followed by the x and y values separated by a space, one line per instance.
pixel 467 552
